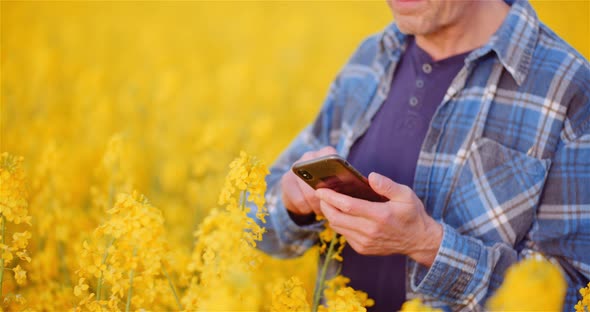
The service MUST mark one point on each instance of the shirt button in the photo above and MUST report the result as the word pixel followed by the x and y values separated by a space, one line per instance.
pixel 426 68
pixel 419 83
pixel 413 101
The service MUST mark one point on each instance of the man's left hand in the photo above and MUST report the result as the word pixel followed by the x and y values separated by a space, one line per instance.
pixel 398 226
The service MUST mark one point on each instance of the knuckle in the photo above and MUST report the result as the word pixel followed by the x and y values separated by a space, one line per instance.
pixel 373 232
pixel 405 216
pixel 382 217
pixel 406 191
pixel 346 205
pixel 327 212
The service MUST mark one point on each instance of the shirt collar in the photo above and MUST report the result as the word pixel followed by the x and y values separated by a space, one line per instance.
pixel 393 39
pixel 514 42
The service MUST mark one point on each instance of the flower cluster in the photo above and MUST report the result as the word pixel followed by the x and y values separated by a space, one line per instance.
pixel 327 237
pixel 584 304
pixel 13 212
pixel 13 193
pixel 125 257
pixel 224 255
pixel 246 176
pixel 289 295
pixel 340 297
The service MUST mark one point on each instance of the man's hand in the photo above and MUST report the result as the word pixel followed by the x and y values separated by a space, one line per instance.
pixel 400 225
pixel 299 198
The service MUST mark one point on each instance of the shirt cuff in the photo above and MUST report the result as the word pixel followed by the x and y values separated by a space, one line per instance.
pixel 451 276
pixel 295 231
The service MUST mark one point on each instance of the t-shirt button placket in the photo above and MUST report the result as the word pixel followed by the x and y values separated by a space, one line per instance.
pixel 427 68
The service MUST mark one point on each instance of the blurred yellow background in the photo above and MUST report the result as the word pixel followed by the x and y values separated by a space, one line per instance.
pixel 177 89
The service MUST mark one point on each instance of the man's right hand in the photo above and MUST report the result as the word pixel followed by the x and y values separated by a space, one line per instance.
pixel 298 197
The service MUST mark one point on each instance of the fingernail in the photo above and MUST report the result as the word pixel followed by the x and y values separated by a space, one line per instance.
pixel 377 178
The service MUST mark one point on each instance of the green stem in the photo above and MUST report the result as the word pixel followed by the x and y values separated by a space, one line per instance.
pixel 100 279
pixel 2 259
pixel 130 292
pixel 243 200
pixel 173 289
pixel 317 294
pixel 106 252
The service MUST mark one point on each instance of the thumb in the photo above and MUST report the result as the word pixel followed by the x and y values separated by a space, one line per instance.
pixel 328 150
pixel 387 187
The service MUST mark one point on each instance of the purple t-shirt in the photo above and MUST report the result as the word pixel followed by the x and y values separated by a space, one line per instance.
pixel 390 147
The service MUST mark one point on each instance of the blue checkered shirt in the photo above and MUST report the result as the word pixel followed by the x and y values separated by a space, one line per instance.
pixel 504 167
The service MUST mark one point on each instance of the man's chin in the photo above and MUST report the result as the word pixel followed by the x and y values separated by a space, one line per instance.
pixel 407 29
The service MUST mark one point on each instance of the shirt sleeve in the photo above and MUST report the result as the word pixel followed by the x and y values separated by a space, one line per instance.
pixel 466 271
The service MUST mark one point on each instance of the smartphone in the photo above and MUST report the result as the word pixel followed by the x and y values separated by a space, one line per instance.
pixel 334 172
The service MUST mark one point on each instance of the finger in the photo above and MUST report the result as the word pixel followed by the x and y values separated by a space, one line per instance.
pixel 313 202
pixel 328 150
pixel 307 156
pixel 354 240
pixel 340 221
pixel 292 197
pixel 350 205
pixel 307 192
pixel 388 188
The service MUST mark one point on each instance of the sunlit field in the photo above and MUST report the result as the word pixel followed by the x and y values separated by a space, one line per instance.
pixel 140 107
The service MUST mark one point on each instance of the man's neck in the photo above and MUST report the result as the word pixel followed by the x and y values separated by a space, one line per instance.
pixel 467 34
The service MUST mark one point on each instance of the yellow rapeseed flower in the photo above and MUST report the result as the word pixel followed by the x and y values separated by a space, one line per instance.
pixel 340 297
pixel 224 257
pixel 289 295
pixel 130 267
pixel 584 304
pixel 13 190
pixel 20 240
pixel 524 282
pixel 13 209
pixel 20 275
pixel 81 287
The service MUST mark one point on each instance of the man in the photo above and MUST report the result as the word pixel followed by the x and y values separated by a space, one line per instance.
pixel 473 119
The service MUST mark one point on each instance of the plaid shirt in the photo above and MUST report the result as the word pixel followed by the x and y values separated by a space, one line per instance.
pixel 504 167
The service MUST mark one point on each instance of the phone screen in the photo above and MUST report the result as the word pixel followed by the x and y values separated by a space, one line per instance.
pixel 335 173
